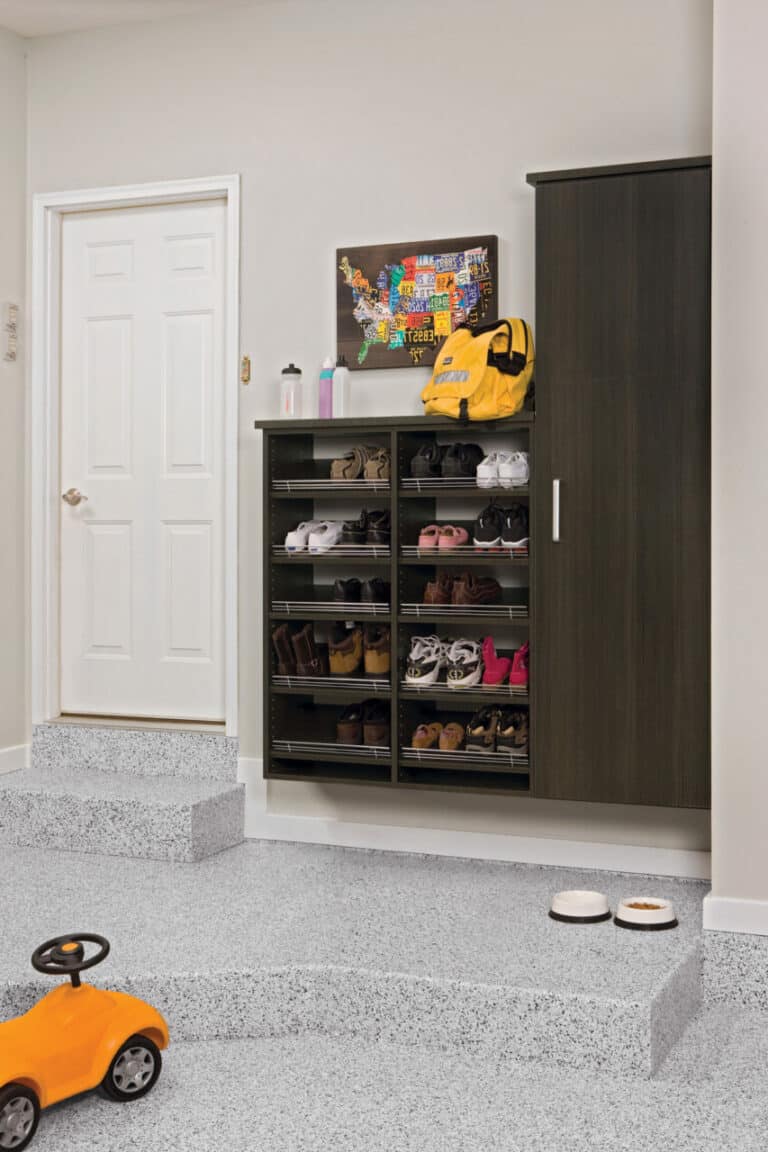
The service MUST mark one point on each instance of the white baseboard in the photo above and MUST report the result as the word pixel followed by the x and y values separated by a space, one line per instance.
pixel 262 825
pixel 724 914
pixel 12 759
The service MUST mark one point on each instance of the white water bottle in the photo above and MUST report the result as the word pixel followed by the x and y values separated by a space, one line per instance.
pixel 290 392
pixel 341 388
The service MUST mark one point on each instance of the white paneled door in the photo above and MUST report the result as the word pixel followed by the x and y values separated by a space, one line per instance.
pixel 142 462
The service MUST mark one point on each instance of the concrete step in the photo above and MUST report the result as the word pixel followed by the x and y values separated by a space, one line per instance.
pixel 451 955
pixel 135 751
pixel 115 814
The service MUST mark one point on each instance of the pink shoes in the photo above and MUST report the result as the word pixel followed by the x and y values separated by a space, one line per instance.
pixel 496 667
pixel 518 677
pixel 449 536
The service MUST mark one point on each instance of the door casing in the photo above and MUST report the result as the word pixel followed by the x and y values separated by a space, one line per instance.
pixel 48 210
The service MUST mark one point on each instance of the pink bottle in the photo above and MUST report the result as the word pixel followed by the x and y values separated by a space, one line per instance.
pixel 326 390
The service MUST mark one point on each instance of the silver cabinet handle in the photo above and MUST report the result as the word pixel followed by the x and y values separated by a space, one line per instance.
pixel 556 511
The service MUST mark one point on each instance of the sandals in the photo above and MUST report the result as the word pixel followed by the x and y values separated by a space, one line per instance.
pixel 363 461
pixel 379 465
pixel 426 735
pixel 452 737
pixel 482 729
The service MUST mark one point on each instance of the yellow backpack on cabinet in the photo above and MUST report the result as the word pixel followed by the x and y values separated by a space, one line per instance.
pixel 482 373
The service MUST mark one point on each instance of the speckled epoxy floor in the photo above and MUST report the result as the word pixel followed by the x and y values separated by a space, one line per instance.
pixel 267 904
pixel 315 1094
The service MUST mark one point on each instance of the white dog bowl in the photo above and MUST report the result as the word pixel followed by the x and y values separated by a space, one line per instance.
pixel 645 914
pixel 577 907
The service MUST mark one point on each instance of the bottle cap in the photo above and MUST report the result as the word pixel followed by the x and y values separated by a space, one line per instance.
pixel 291 370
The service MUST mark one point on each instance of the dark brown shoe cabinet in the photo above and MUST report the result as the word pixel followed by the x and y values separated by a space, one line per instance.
pixel 614 593
pixel 621 645
pixel 301 714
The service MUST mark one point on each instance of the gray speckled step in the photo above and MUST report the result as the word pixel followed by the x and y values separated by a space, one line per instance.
pixel 454 955
pixel 138 751
pixel 162 818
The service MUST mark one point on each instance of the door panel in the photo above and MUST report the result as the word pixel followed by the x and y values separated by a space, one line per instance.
pixel 142 614
pixel 622 601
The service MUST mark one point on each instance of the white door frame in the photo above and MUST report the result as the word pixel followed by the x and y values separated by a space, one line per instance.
pixel 48 211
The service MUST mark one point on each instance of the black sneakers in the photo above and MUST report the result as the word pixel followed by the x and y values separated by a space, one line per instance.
pixel 502 528
pixel 375 591
pixel 514 534
pixel 347 591
pixel 461 460
pixel 452 461
pixel 427 461
pixel 489 527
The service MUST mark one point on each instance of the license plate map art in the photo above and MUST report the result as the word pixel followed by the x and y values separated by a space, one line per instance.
pixel 396 303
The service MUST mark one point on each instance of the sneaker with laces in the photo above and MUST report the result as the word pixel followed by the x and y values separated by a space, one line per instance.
pixel 489 527
pixel 488 471
pixel 465 666
pixel 514 470
pixel 296 540
pixel 514 534
pixel 325 536
pixel 426 660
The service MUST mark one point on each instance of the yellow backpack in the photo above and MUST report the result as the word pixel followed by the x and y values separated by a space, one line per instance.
pixel 482 373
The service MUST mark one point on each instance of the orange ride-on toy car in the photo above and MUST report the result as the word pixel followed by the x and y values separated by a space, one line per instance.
pixel 76 1038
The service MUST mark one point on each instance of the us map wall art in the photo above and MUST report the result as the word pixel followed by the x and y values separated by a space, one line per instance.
pixel 396 303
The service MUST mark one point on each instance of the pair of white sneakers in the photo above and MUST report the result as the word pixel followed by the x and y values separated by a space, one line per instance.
pixel 315 535
pixel 429 655
pixel 503 470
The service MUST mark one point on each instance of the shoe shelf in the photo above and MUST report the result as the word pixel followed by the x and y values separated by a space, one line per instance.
pixel 328 610
pixel 321 489
pixel 368 685
pixel 438 488
pixel 465 760
pixel 478 694
pixel 461 613
pixel 461 553
pixel 312 749
pixel 340 552
pixel 304 715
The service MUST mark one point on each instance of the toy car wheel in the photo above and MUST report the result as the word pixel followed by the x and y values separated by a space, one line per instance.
pixel 134 1070
pixel 19 1114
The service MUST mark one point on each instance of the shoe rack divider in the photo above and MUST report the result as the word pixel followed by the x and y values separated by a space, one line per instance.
pixel 300 715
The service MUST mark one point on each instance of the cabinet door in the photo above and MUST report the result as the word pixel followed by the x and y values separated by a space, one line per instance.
pixel 621 646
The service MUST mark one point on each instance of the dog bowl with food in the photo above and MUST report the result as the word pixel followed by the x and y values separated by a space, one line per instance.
pixel 645 914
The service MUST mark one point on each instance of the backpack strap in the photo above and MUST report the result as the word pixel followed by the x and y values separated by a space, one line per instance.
pixel 509 362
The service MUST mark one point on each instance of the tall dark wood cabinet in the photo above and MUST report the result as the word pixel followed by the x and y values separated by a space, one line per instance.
pixel 621 523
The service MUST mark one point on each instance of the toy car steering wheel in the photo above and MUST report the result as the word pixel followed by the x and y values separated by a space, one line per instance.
pixel 65 955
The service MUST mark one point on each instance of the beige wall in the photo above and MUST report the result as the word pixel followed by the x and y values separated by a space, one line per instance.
pixel 353 122
pixel 740 459
pixel 13 646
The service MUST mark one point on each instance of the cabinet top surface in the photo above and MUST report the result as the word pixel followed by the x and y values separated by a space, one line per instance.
pixel 536 178
pixel 407 423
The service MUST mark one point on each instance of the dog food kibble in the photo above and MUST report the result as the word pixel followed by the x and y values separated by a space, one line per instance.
pixel 642 907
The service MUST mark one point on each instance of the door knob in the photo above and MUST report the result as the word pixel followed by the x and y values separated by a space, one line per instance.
pixel 73 497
